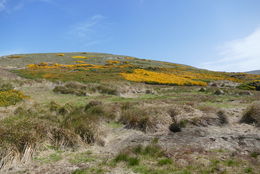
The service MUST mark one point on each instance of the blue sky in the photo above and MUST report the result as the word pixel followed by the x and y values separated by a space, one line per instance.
pixel 215 34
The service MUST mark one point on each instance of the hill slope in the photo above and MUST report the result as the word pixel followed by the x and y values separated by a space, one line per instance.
pixel 254 72
pixel 98 113
pixel 107 67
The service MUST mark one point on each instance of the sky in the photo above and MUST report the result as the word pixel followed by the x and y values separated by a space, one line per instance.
pixel 220 35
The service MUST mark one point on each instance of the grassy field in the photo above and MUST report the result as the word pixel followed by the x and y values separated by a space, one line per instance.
pixel 83 113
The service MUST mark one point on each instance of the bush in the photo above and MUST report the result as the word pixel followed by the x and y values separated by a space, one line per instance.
pixel 124 157
pixel 175 127
pixel 152 150
pixel 92 104
pixel 253 85
pixel 69 90
pixel 165 161
pixel 252 114
pixel 6 87
pixel 136 118
pixel 105 90
pixel 222 117
pixel 10 97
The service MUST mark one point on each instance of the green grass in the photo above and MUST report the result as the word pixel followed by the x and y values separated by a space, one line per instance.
pixel 114 124
pixel 165 161
pixel 52 158
pixel 84 157
pixel 89 171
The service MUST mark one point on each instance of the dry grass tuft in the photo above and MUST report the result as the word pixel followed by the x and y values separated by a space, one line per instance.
pixel 252 115
pixel 135 118
pixel 61 126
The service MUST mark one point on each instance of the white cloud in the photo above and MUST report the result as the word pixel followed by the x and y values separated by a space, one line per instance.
pixel 3 4
pixel 238 55
pixel 89 32
pixel 86 28
pixel 6 6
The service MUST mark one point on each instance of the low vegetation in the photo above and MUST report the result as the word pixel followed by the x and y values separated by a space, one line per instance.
pixel 9 96
pixel 252 114
pixel 62 127
pixel 103 113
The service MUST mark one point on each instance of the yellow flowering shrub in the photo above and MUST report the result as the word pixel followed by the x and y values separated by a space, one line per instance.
pixel 141 75
pixel 10 97
pixel 80 65
pixel 79 57
pixel 112 62
pixel 79 61
pixel 15 57
pixel 60 54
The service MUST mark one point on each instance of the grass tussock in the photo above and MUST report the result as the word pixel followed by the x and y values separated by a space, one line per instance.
pixel 79 89
pixel 29 129
pixel 252 115
pixel 136 118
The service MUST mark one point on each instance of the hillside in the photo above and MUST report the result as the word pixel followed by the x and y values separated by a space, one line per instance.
pixel 82 113
pixel 112 67
pixel 254 72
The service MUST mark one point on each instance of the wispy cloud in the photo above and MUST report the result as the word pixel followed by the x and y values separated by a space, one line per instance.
pixel 238 55
pixel 86 28
pixel 3 4
pixel 88 32
pixel 8 7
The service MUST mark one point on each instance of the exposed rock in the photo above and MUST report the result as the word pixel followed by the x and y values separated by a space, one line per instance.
pixel 202 90
pixel 219 92
pixel 245 93
pixel 224 83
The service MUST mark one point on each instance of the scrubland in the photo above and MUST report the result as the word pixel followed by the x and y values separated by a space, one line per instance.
pixel 84 113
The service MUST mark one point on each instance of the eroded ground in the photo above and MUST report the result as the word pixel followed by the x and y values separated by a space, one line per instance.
pixel 205 134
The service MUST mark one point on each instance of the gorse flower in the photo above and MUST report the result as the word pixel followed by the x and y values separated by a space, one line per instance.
pixel 60 54
pixel 79 57
pixel 141 75
pixel 11 97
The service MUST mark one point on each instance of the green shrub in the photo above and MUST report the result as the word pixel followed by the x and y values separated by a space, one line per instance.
pixel 255 154
pixel 121 157
pixel 124 157
pixel 253 85
pixel 164 161
pixel 133 161
pixel 152 150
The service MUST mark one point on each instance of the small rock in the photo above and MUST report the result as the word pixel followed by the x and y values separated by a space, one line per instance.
pixel 245 93
pixel 202 89
pixel 219 92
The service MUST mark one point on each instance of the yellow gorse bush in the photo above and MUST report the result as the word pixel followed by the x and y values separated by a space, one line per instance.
pixel 83 65
pixel 10 97
pixel 141 75
pixel 15 57
pixel 79 61
pixel 60 54
pixel 111 62
pixel 195 75
pixel 79 57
